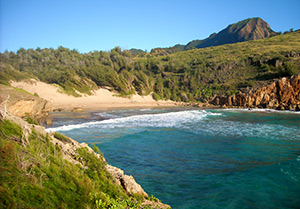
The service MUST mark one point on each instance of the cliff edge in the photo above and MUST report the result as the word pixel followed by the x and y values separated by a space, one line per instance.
pixel 40 168
pixel 283 94
pixel 21 103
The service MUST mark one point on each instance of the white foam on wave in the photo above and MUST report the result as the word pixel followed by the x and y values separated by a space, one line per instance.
pixel 260 110
pixel 170 119
pixel 105 115
pixel 245 129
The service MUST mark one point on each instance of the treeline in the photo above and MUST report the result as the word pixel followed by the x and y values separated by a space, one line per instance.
pixel 82 72
pixel 194 75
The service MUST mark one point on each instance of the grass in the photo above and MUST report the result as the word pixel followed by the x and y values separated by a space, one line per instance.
pixel 30 119
pixel 37 176
pixel 62 137
pixel 22 91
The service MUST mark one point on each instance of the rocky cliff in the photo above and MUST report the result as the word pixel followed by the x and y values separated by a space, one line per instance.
pixel 283 94
pixel 20 103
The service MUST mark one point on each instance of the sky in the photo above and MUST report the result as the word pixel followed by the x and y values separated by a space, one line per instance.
pixel 88 25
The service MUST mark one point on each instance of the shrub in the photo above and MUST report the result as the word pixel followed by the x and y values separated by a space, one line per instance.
pixel 95 148
pixel 155 96
pixel 290 68
pixel 61 137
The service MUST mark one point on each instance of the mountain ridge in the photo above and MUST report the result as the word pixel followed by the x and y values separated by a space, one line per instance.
pixel 245 30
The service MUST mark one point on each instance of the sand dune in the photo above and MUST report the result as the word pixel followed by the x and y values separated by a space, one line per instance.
pixel 102 98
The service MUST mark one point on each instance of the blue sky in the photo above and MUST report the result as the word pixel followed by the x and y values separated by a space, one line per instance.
pixel 89 25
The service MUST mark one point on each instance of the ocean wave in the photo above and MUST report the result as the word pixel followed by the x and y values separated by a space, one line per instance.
pixel 105 115
pixel 260 110
pixel 170 119
pixel 241 129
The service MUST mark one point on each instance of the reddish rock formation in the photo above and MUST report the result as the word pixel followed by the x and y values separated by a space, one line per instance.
pixel 283 94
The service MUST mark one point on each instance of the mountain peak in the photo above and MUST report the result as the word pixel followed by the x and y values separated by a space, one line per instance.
pixel 251 29
pixel 245 30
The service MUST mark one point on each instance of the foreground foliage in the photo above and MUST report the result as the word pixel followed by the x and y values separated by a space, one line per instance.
pixel 35 175
pixel 193 75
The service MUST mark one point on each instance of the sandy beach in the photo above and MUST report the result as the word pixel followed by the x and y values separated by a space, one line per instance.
pixel 101 98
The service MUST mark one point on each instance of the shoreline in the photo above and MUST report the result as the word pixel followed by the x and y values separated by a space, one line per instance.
pixel 103 99
pixel 107 106
pixel 100 99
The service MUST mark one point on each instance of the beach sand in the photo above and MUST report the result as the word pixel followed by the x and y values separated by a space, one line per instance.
pixel 101 98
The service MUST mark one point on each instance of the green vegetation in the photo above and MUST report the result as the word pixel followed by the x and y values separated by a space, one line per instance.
pixel 22 90
pixel 154 199
pixel 95 148
pixel 191 76
pixel 29 119
pixel 7 72
pixel 62 137
pixel 35 175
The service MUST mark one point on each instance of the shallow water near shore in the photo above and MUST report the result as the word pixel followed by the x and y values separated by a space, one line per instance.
pixel 193 158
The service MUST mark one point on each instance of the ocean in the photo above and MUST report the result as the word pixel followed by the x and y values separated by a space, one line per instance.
pixel 195 158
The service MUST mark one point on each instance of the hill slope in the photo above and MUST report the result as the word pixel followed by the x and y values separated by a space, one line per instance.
pixel 49 170
pixel 192 76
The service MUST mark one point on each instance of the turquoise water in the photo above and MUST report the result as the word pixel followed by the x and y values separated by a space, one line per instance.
pixel 192 158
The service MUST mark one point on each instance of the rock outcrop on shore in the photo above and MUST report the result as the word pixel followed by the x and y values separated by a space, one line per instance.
pixel 283 94
pixel 20 103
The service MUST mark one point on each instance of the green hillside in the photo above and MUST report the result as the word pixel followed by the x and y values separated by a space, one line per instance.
pixel 194 75
pixel 34 173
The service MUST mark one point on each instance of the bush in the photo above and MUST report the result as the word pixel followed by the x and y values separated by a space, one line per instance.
pixel 290 68
pixel 61 137
pixel 155 96
pixel 95 148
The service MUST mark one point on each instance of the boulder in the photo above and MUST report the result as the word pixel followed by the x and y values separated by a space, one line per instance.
pixel 127 182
